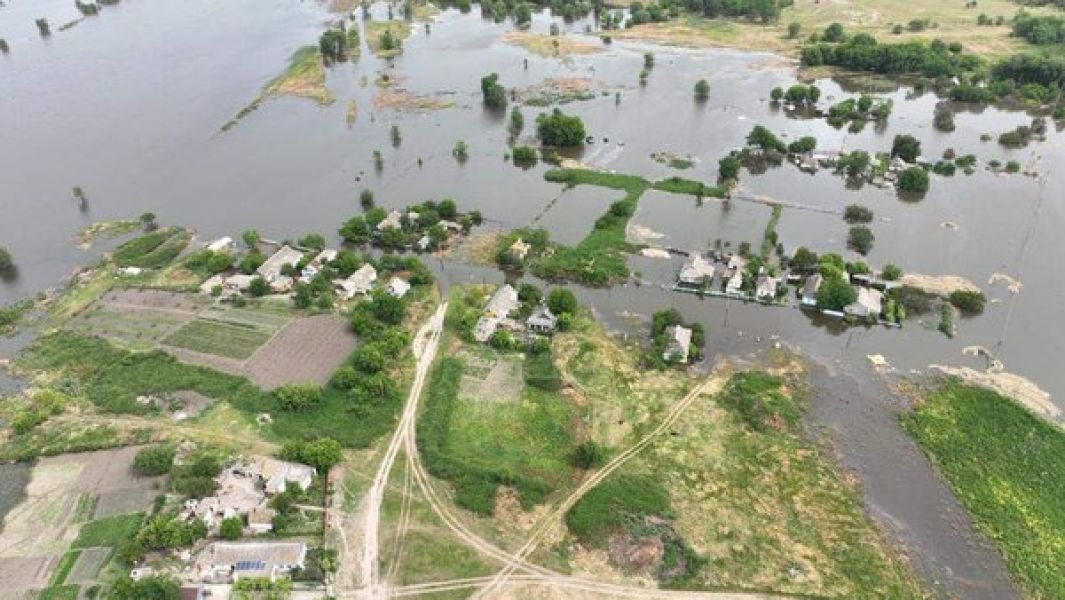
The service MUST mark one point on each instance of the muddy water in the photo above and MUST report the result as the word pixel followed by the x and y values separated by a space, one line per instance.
pixel 128 106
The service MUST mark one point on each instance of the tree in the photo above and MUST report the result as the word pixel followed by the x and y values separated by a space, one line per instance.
pixel 762 138
pixel 856 213
pixel 834 33
pixel 913 179
pixel 588 455
pixel 154 460
pixel 803 259
pixel 529 294
pixel 321 454
pixel 524 156
pixel 777 94
pixel 517 122
pixel 860 239
pixel 6 262
pixel 148 221
pixel 558 129
pixel 153 587
pixel 562 301
pixel 728 168
pixel 387 308
pixel 702 89
pixel 231 528
pixel 794 29
pixel 906 147
pixel 251 238
pixel 298 397
pixel 854 164
pixel 366 199
pixel 314 241
pixel 258 287
pixel 447 209
pixel 495 95
pixel 891 272
pixel 460 151
pixel 355 230
pixel 806 143
pixel 389 41
pixel 835 293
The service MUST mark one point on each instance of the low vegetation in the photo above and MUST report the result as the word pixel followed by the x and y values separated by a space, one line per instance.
pixel 152 250
pixel 1008 468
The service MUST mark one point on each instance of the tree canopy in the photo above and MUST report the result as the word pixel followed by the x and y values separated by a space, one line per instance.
pixel 559 129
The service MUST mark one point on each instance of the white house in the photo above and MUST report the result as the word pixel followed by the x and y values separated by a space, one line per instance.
pixel 766 287
pixel 222 244
pixel 696 271
pixel 503 302
pixel 233 561
pixel 359 282
pixel 394 220
pixel 869 303
pixel 271 269
pixel 680 339
pixel 398 287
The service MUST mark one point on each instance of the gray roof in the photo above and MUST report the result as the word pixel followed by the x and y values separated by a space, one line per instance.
pixel 271 269
pixel 503 301
pixel 812 284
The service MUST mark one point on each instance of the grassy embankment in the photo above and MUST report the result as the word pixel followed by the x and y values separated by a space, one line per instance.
pixel 597 259
pixel 303 78
pixel 950 21
pixel 1007 467
pixel 737 496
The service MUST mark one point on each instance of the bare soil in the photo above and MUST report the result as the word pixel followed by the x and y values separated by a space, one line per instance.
pixel 306 350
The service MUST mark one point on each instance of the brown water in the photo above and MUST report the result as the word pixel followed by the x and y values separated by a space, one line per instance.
pixel 128 106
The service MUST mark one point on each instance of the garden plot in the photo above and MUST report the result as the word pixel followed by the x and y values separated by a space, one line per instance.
pixel 88 565
pixel 306 350
pixel 491 379
pixel 132 328
pixel 230 339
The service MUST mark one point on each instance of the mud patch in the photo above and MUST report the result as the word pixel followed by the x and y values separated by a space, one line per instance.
pixel 1013 285
pixel 942 285
pixel 560 90
pixel 549 45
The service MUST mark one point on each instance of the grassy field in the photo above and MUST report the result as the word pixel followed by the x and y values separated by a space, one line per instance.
pixel 66 563
pixel 1008 468
pixel 135 331
pixel 58 592
pixel 950 21
pixel 221 338
pixel 107 532
pixel 152 250
pixel 749 503
pixel 304 78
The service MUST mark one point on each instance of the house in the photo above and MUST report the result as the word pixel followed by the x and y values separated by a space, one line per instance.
pixel 261 519
pixel 736 263
pixel 130 271
pixel 484 328
pixel 207 287
pixel 542 320
pixel 734 285
pixel 412 216
pixel 271 269
pixel 222 244
pixel 695 272
pixel 423 243
pixel 277 474
pixel 235 284
pixel 766 287
pixel 869 304
pixel 359 282
pixel 317 263
pixel 394 220
pixel 451 225
pixel 503 302
pixel 519 249
pixel 680 339
pixel 232 561
pixel 398 287
pixel 809 289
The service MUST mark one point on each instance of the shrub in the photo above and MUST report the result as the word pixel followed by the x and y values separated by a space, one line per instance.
pixel 5 259
pixel 588 455
pixel 559 129
pixel 860 239
pixel 298 397
pixel 524 156
pixel 891 272
pixel 856 213
pixel 154 460
pixel 702 90
pixel 913 179
pixel 495 96
pixel 231 528
pixel 906 147
pixel 968 302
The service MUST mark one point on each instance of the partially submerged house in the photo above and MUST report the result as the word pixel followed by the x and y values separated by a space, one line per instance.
pixel 394 220
pixel 519 249
pixel 808 295
pixel 766 287
pixel 696 272
pixel 680 339
pixel 869 304
pixel 317 263
pixel 226 562
pixel 359 282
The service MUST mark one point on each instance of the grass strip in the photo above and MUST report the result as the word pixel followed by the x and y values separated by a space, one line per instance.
pixel 62 570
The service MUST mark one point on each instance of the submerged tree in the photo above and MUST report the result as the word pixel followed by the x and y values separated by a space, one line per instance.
pixel 79 195
pixel 6 262
pixel 366 199
pixel 3 46
pixel 702 90
pixel 517 122
pixel 378 160
pixel 148 221
pixel 42 26
pixel 460 151
pixel 397 138
pixel 495 95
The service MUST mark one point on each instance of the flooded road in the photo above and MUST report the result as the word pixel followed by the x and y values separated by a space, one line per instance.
pixel 128 106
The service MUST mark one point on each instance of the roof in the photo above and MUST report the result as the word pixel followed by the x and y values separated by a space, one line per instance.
pixel 680 335
pixel 766 286
pixel 360 281
pixel 736 262
pixel 503 301
pixel 812 284
pixel 327 255
pixel 519 248
pixel 271 269
pixel 247 555
pixel 398 287
pixel 869 303
pixel 222 243
pixel 394 220
pixel 484 328
pixel 542 317
pixel 273 469
pixel 239 281
pixel 696 268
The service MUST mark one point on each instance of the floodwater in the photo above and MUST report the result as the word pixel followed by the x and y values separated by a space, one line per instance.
pixel 128 106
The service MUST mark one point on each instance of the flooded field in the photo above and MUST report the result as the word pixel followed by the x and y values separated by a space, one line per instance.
pixel 128 105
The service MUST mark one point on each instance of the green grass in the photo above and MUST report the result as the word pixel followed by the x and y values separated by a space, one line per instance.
pixel 62 570
pixel 757 400
pixel 152 250
pixel 85 507
pixel 610 506
pixel 112 379
pixel 680 185
pixel 609 233
pixel 108 532
pixel 58 592
pixel 480 446
pixel 221 338
pixel 1008 469
pixel 769 239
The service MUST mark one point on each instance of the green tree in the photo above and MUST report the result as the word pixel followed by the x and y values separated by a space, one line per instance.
pixel 804 259
pixel 762 138
pixel 860 239
pixel 834 33
pixel 148 221
pixel 495 95
pixel 298 397
pixel 562 301
pixel 856 213
pixel 153 587
pixel 460 151
pixel 355 230
pixel 914 179
pixel 777 94
pixel 366 199
pixel 835 293
pixel 251 238
pixel 558 129
pixel 387 308
pixel 588 455
pixel 728 168
pixel 517 122
pixel 906 147
pixel 231 528
pixel 891 272
pixel 258 287
pixel 968 302
pixel 702 89
pixel 6 262
pixel 794 29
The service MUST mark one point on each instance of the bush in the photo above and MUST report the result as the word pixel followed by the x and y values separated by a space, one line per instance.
pixel 588 455
pixel 906 147
pixel 154 460
pixel 968 302
pixel 524 156
pixel 298 397
pixel 322 454
pixel 913 179
pixel 231 528
pixel 860 239
pixel 5 259
pixel 856 213
pixel 891 272
pixel 562 301
pixel 702 90
pixel 495 96
pixel 559 129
